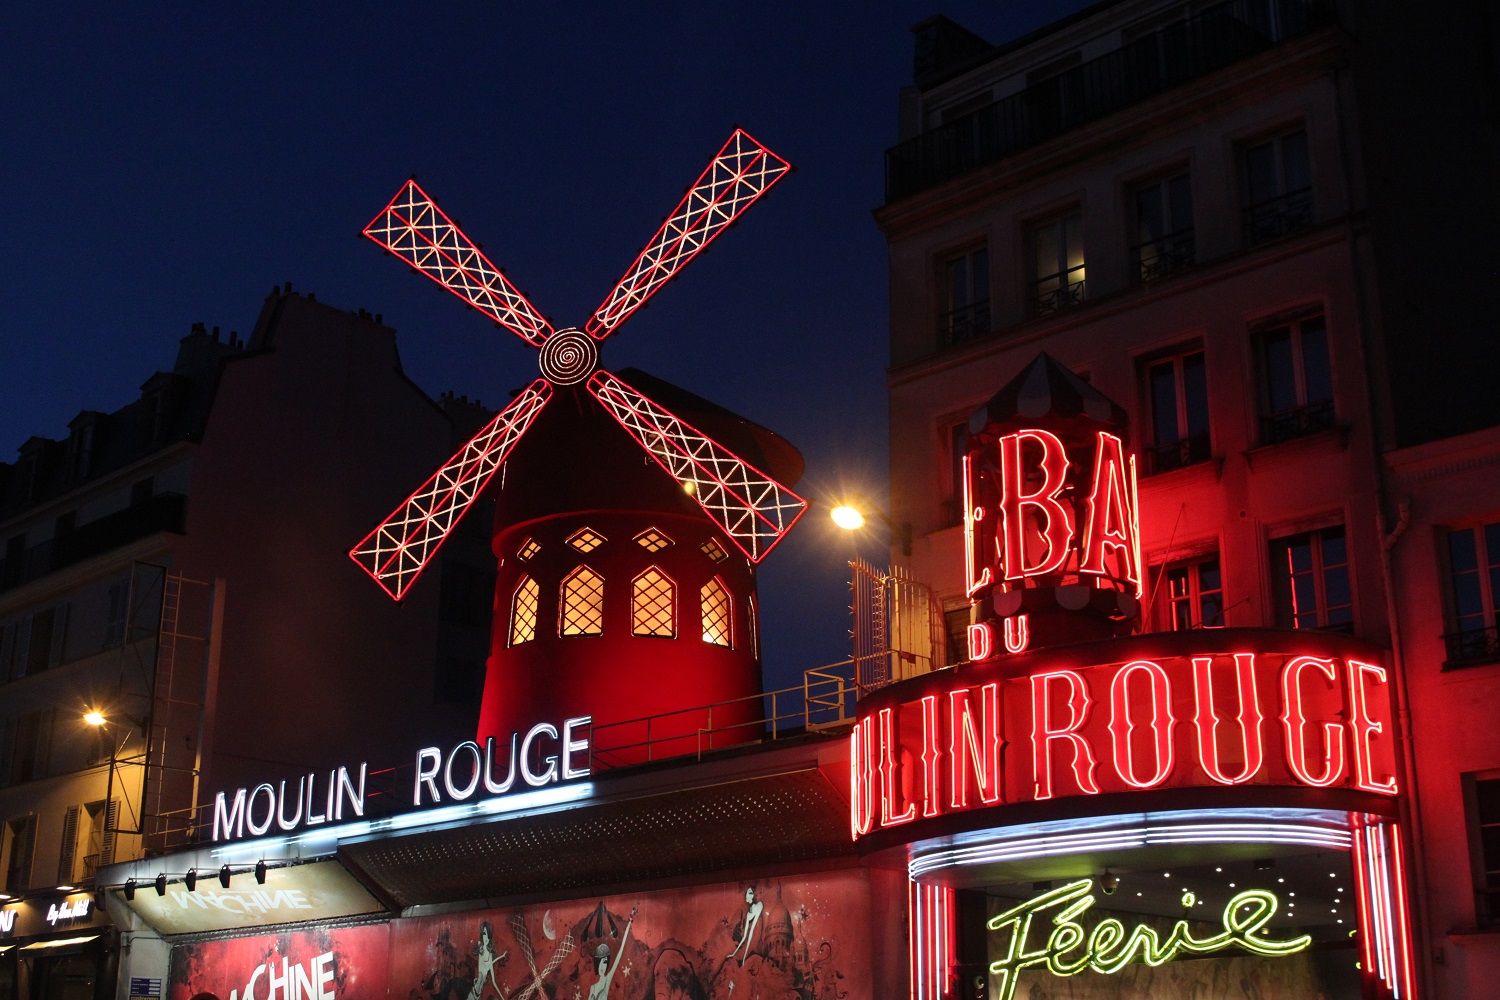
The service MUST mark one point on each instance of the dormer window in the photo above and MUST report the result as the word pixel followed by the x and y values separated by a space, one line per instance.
pixel 82 438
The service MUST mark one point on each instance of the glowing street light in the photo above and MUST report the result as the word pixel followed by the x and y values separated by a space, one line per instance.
pixel 851 518
pixel 94 717
pixel 848 518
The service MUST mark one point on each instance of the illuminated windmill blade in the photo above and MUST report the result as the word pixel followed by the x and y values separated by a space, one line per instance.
pixel 397 551
pixel 741 172
pixel 413 228
pixel 751 507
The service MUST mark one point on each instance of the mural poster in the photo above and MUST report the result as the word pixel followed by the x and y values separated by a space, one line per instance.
pixel 343 963
pixel 804 938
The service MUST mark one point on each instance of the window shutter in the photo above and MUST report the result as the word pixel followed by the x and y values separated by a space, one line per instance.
pixel 43 744
pixel 7 649
pixel 69 847
pixel 23 647
pixel 24 840
pixel 59 633
pixel 7 750
pixel 107 842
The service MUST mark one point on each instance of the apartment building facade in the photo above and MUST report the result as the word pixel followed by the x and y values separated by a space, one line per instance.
pixel 1202 211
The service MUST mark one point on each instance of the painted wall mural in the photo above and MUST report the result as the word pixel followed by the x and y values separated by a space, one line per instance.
pixel 775 939
pixel 344 963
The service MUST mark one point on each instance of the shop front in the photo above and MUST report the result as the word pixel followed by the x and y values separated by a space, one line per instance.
pixel 56 947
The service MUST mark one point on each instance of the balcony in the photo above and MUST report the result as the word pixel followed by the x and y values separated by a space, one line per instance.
pixel 1057 291
pixel 1153 64
pixel 1177 454
pixel 1471 647
pixel 163 512
pixel 962 325
pixel 1278 216
pixel 1165 255
pixel 1304 420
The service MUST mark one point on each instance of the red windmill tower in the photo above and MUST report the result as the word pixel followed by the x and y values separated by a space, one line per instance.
pixel 619 593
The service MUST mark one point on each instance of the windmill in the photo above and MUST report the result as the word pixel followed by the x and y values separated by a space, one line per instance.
pixel 748 506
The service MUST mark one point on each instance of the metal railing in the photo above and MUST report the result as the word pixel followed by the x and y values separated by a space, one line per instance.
pixel 1056 291
pixel 1472 646
pixel 163 512
pixel 1304 420
pixel 1176 54
pixel 1178 454
pixel 1164 255
pixel 1278 216
pixel 966 323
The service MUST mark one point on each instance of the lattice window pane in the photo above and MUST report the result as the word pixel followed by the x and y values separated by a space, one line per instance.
pixel 652 540
pixel 717 612
pixel 583 603
pixel 586 539
pixel 523 611
pixel 653 604
pixel 713 550
pixel 528 549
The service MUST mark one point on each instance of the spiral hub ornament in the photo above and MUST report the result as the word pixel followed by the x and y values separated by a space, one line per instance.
pixel 569 357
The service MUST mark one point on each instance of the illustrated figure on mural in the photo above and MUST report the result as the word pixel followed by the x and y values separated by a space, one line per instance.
pixel 603 968
pixel 748 927
pixel 484 964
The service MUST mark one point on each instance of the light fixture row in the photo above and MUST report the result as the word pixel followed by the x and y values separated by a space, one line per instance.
pixel 189 879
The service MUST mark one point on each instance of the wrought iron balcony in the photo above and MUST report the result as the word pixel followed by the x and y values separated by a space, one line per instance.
pixel 1176 54
pixel 964 324
pixel 1472 646
pixel 1304 420
pixel 163 512
pixel 1178 454
pixel 1278 216
pixel 1164 255
pixel 1056 292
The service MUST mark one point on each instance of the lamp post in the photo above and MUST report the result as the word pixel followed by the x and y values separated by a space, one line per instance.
pixel 851 516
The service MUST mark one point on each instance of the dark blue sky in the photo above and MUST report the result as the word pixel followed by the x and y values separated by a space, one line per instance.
pixel 168 163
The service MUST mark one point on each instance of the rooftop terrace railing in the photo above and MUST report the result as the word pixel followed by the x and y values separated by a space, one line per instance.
pixel 1150 65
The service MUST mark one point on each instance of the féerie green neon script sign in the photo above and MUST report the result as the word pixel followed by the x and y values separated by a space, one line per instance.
pixel 1070 949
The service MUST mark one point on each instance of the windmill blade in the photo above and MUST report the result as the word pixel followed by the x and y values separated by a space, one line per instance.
pixel 401 546
pixel 564 949
pixel 523 938
pixel 741 172
pixel 413 228
pixel 752 508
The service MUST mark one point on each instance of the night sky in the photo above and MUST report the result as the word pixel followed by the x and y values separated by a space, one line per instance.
pixel 169 163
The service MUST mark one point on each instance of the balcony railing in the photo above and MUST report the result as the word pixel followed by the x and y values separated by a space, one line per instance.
pixel 964 324
pixel 1472 646
pixel 1220 36
pixel 1304 420
pixel 1057 291
pixel 163 512
pixel 1278 216
pixel 1165 255
pixel 1178 454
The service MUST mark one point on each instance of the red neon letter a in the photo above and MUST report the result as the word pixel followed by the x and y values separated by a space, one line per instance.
pixel 1112 521
pixel 1056 531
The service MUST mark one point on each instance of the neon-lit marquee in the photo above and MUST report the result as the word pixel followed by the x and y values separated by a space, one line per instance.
pixel 980 737
pixel 545 755
pixel 1069 948
pixel 1034 511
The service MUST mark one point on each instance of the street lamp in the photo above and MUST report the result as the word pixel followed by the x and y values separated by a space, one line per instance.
pixel 850 517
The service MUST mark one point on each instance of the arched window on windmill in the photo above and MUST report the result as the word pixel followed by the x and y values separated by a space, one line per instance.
pixel 523 610
pixel 653 604
pixel 718 613
pixel 582 603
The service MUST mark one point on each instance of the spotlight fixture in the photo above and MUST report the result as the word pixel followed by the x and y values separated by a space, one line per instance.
pixel 191 880
pixel 224 874
pixel 161 884
pixel 130 888
pixel 100 895
pixel 1109 882
pixel 260 872
pixel 1265 864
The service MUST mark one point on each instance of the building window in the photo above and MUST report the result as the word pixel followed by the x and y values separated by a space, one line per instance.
pixel 586 539
pixel 652 540
pixel 718 613
pixel 1191 595
pixel 1163 227
pixel 1474 576
pixel 523 611
pixel 25 745
pixel 1056 250
pixel 713 550
pixel 1310 579
pixel 1177 402
pixel 653 604
pixel 957 437
pixel 528 550
pixel 1297 381
pixel 1484 832
pixel 20 838
pixel 1278 187
pixel 965 311
pixel 583 603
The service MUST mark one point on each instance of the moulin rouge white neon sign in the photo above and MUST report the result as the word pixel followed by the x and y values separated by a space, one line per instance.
pixel 1271 717
pixel 545 755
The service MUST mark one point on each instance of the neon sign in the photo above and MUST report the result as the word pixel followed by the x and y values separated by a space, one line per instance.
pixel 1069 948
pixel 1029 513
pixel 545 755
pixel 985 737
